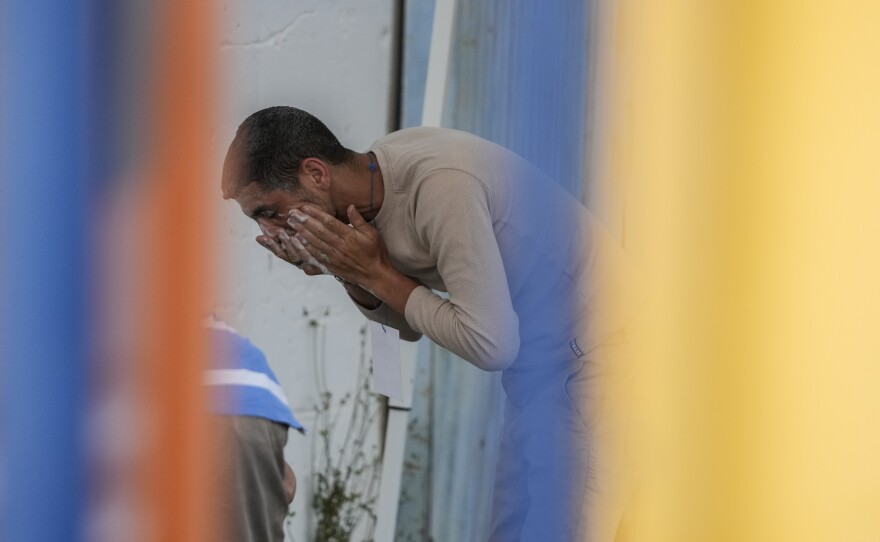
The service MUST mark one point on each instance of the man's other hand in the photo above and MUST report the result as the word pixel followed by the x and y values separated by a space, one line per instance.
pixel 355 252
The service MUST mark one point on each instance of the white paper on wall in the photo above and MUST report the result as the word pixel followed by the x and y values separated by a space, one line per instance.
pixel 387 379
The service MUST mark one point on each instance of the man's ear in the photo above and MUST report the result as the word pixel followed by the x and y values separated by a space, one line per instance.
pixel 315 172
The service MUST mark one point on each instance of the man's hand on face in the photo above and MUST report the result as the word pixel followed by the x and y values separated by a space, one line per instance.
pixel 278 242
pixel 354 253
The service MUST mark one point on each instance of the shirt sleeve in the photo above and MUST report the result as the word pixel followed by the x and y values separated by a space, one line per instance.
pixel 477 322
pixel 385 315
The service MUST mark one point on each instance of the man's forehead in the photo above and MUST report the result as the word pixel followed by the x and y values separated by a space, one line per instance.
pixel 249 190
pixel 249 197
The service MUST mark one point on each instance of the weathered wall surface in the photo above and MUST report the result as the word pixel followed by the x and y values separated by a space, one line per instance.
pixel 333 59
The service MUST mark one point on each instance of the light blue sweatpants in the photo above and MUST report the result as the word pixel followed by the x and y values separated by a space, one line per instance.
pixel 552 476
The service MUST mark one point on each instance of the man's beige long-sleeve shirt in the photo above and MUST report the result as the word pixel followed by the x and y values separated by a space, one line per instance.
pixel 518 256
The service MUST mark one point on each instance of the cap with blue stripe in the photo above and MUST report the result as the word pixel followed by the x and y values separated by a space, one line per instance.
pixel 241 381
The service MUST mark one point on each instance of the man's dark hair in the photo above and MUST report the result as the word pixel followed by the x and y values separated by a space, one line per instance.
pixel 270 145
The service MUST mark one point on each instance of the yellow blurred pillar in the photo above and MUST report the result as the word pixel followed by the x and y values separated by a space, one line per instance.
pixel 744 137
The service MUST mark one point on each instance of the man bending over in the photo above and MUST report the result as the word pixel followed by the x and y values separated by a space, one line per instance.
pixel 530 276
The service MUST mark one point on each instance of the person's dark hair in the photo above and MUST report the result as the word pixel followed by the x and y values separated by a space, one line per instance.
pixel 270 145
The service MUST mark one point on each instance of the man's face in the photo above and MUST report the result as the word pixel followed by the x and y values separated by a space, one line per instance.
pixel 270 208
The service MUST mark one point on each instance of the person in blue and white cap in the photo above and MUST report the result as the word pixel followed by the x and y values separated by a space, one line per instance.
pixel 253 416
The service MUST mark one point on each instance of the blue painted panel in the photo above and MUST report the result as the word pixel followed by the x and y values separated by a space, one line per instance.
pixel 418 20
pixel 517 77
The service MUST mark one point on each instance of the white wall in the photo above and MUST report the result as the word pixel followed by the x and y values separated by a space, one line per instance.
pixel 333 59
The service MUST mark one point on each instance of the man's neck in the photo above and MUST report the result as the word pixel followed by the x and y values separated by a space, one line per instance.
pixel 367 188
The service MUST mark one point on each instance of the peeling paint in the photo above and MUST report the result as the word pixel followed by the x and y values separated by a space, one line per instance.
pixel 272 40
